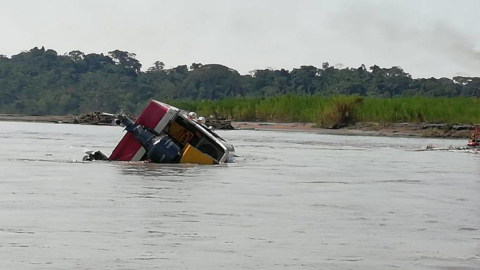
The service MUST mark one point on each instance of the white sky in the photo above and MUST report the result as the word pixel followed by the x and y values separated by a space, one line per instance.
pixel 426 38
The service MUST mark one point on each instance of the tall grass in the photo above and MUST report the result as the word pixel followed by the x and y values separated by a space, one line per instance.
pixel 341 112
pixel 330 111
pixel 420 109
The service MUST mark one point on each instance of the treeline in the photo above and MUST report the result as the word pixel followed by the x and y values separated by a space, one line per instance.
pixel 40 81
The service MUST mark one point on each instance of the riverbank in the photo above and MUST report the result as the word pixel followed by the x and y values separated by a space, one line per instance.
pixel 367 129
pixel 360 129
pixel 61 119
pixel 93 118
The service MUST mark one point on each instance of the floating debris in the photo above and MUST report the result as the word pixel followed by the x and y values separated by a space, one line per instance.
pixel 431 147
pixel 219 123
pixel 95 118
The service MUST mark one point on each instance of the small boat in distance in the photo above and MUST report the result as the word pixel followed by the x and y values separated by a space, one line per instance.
pixel 163 134
pixel 474 140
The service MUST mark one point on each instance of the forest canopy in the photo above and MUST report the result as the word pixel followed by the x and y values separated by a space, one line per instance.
pixel 40 81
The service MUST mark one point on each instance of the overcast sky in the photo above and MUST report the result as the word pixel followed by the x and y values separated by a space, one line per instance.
pixel 426 38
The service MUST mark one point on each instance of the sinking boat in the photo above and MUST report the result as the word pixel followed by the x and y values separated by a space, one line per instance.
pixel 164 134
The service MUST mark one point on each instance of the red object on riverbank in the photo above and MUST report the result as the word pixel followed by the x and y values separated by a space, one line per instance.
pixel 473 142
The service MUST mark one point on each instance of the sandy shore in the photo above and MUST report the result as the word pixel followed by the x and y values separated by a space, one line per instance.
pixel 37 118
pixel 360 129
pixel 364 129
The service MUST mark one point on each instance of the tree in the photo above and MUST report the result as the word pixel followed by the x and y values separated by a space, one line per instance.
pixel 126 61
pixel 157 67
pixel 303 78
pixel 41 81
pixel 194 66
pixel 213 82
pixel 76 56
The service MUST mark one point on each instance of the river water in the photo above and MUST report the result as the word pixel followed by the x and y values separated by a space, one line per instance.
pixel 290 201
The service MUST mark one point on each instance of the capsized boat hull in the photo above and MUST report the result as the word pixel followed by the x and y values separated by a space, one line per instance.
pixel 198 144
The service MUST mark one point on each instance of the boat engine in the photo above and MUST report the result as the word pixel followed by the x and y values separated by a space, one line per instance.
pixel 160 148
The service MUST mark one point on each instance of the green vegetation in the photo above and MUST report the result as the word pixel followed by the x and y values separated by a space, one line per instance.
pixel 40 81
pixel 336 111
pixel 421 109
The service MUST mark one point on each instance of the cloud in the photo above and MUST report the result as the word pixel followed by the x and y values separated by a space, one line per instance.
pixel 391 34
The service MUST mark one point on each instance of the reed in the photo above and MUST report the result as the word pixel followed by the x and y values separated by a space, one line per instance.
pixel 339 110
pixel 420 109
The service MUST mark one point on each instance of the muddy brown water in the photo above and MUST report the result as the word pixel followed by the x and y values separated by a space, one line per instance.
pixel 290 201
